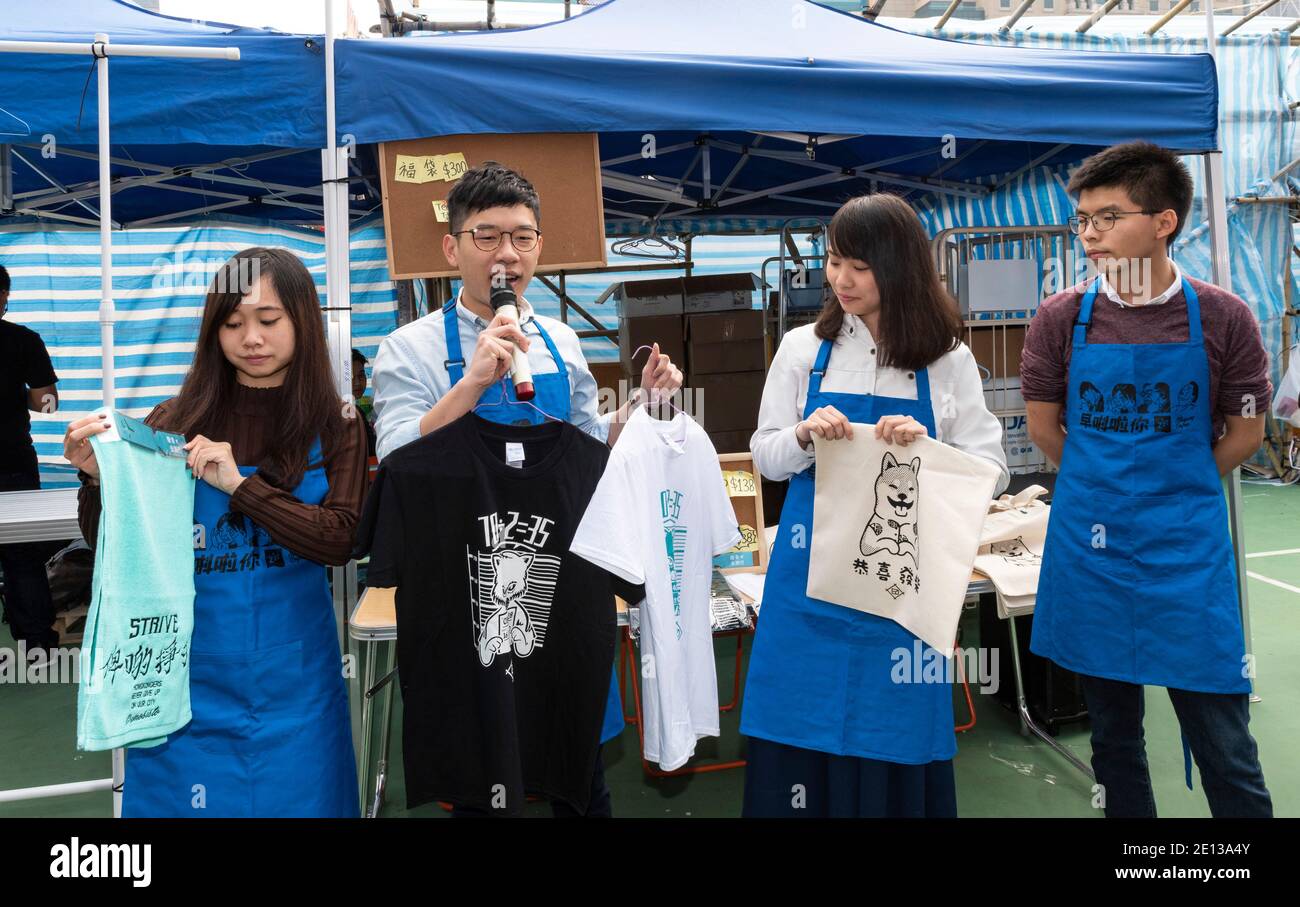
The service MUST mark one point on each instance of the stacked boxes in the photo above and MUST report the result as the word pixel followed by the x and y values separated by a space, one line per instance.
pixel 726 358
pixel 649 312
pixel 709 327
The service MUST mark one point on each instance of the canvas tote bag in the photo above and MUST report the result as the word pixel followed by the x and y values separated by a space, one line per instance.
pixel 895 529
pixel 1011 549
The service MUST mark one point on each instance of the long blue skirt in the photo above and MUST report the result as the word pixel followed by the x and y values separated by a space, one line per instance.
pixel 790 782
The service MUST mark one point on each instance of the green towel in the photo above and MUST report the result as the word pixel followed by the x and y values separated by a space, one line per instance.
pixel 134 687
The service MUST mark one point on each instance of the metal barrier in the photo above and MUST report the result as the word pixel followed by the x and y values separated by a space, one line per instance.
pixel 996 335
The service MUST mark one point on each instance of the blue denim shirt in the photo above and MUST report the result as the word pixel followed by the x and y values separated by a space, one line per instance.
pixel 409 376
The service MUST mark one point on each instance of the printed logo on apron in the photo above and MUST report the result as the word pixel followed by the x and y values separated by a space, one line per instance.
pixel 1122 411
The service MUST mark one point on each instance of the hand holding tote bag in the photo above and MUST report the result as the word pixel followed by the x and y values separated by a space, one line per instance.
pixel 895 529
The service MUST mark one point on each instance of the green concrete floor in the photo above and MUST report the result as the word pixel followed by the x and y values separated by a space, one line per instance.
pixel 999 772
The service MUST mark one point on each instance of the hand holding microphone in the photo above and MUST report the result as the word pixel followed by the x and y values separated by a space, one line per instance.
pixel 506 306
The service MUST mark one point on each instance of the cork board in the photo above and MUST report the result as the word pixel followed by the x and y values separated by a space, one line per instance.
pixel 565 168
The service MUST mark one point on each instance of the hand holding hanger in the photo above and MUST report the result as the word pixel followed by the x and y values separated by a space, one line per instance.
pixel 660 379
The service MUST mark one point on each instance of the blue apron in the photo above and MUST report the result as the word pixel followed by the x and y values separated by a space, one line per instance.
pixel 820 674
pixel 1138 582
pixel 552 396
pixel 271 733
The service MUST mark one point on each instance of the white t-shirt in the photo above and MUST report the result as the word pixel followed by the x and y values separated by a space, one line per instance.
pixel 659 516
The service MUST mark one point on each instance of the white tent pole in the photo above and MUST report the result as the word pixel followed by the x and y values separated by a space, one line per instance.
pixel 106 310
pixel 119 50
pixel 119 780
pixel 1216 208
pixel 338 289
pixel 334 171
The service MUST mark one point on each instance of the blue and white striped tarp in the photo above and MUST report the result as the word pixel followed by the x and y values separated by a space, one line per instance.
pixel 161 275
pixel 1259 76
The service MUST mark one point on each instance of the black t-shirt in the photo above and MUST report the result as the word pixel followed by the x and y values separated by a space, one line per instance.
pixel 24 363
pixel 505 640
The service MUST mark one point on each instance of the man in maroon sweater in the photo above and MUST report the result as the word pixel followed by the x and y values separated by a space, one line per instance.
pixel 1146 386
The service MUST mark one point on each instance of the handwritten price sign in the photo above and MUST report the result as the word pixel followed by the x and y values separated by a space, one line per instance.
pixel 430 168
pixel 738 482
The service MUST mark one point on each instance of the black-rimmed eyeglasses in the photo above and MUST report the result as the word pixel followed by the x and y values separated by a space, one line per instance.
pixel 1103 221
pixel 488 239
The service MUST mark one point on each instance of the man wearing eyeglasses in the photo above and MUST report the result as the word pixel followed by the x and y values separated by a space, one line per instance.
pixel 423 380
pixel 434 370
pixel 1146 386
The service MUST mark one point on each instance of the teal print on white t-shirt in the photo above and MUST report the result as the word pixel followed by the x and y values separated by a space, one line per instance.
pixel 670 505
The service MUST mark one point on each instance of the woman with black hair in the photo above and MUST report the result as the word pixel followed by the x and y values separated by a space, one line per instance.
pixel 830 732
pixel 281 464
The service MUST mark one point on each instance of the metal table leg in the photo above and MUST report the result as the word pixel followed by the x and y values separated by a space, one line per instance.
pixel 1026 720
pixel 367 709
pixel 381 772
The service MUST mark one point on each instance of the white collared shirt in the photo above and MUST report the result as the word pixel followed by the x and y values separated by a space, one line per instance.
pixel 410 373
pixel 956 395
pixel 1164 297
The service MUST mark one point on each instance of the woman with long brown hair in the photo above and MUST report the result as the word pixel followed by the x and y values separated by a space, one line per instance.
pixel 281 469
pixel 829 731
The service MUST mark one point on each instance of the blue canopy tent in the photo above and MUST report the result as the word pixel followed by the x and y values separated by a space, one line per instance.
pixel 767 108
pixel 774 109
pixel 187 137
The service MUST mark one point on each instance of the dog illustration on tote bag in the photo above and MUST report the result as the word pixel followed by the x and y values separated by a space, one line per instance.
pixel 892 527
pixel 1016 552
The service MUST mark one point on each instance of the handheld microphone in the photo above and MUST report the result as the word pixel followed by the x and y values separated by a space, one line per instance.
pixel 504 301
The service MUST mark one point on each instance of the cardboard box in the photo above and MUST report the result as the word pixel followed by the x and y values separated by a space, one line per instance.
pixel 725 342
pixel 607 374
pixel 997 349
pixel 728 402
pixel 719 292
pixel 725 358
pixel 643 298
pixel 724 327
pixel 730 441
pixel 666 330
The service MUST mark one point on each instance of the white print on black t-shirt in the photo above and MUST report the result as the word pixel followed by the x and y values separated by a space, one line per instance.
pixel 891 529
pixel 512 586
pixel 531 532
